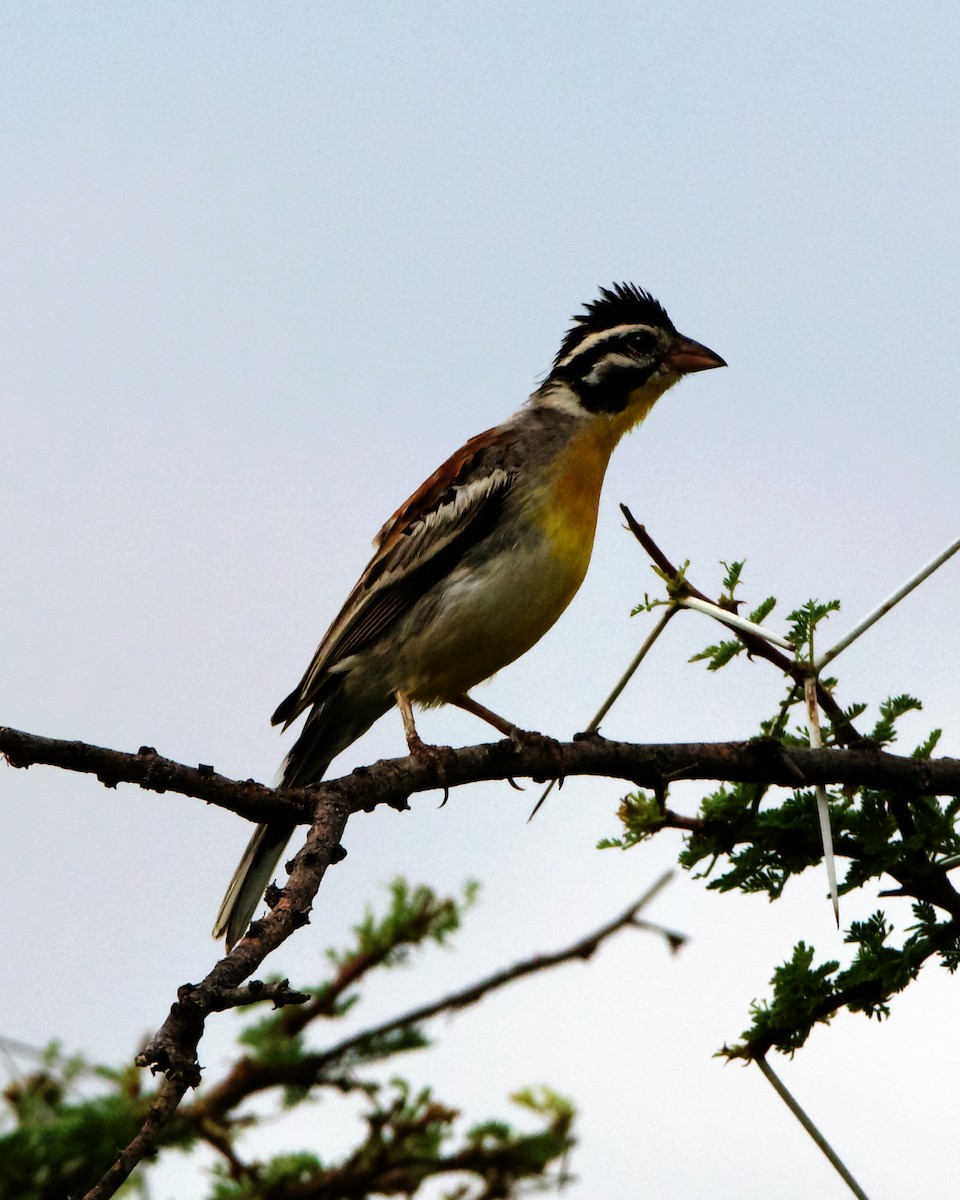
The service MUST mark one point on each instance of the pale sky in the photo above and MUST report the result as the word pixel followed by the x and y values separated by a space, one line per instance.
pixel 264 267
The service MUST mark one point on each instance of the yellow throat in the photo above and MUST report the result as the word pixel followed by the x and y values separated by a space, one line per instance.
pixel 565 506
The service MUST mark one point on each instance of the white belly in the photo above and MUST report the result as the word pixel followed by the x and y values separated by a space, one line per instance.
pixel 482 619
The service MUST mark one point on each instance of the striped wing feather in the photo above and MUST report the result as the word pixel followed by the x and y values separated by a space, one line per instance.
pixel 420 543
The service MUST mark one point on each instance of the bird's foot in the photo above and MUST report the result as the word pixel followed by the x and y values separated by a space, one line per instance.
pixel 421 749
pixel 425 753
pixel 530 739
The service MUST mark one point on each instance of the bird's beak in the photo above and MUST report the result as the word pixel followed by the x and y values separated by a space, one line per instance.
pixel 688 356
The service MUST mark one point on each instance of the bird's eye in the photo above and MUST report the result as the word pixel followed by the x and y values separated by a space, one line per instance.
pixel 643 342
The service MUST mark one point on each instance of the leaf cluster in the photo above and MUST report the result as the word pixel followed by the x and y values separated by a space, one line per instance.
pixel 51 1133
pixel 61 1124
pixel 752 839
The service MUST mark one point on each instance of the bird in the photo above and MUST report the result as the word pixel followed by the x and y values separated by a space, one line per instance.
pixel 476 566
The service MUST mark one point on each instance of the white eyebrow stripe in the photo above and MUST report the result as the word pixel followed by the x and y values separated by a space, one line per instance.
pixel 593 339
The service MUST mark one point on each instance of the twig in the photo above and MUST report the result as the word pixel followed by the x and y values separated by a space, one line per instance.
pixel 584 948
pixel 886 606
pixel 250 1076
pixel 758 647
pixel 831 1155
pixel 757 640
pixel 144 1145
pixel 615 693
pixel 280 994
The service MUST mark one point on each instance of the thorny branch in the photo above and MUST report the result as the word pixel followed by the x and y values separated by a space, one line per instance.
pixel 249 1076
pixel 393 781
pixel 327 806
pixel 756 646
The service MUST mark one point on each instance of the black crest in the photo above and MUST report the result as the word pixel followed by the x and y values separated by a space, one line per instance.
pixel 622 304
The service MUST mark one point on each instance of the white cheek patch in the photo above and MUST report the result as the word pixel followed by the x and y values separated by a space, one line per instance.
pixel 610 362
pixel 560 397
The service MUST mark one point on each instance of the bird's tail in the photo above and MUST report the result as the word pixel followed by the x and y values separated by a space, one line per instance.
pixel 253 873
pixel 332 724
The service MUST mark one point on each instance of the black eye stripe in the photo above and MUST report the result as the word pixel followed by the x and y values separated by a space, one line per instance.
pixel 611 392
pixel 642 341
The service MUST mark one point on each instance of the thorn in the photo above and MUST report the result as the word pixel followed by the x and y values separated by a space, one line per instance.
pixel 823 806
pixel 546 792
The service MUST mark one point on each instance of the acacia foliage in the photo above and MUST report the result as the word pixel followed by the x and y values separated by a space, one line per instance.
pixel 63 1121
pixel 900 846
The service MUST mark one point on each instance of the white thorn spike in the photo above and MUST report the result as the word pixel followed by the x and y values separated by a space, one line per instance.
pixel 882 609
pixel 790 1101
pixel 823 808
pixel 731 620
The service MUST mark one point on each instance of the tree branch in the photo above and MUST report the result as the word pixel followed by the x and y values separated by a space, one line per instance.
pixel 150 771
pixel 393 781
pixel 144 1145
pixel 756 646
pixel 859 995
pixel 249 1076
pixel 327 806
pixel 173 1049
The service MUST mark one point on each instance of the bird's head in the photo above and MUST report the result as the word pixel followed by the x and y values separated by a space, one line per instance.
pixel 620 355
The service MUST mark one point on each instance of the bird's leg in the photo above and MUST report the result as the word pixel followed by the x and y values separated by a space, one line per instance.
pixel 519 737
pixel 468 704
pixel 414 743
